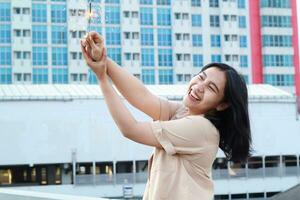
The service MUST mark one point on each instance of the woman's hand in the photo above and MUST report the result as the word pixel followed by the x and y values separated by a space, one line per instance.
pixel 99 66
pixel 94 45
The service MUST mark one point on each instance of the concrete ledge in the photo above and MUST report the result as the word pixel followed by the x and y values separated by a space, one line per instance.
pixel 12 194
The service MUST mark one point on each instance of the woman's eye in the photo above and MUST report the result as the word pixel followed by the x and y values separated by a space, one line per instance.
pixel 201 77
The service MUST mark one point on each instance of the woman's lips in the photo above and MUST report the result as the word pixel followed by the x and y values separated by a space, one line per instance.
pixel 192 96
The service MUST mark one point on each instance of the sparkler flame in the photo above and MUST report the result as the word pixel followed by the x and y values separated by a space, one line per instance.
pixel 89 14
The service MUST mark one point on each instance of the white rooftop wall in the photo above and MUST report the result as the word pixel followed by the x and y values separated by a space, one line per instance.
pixel 45 130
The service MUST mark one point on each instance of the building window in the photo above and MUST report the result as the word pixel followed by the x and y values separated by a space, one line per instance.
pixel 186 57
pixel 241 4
pixel 147 36
pixel 195 3
pixel 179 77
pixel 278 60
pixel 26 55
pixel 92 77
pixel 196 20
pixel 238 196
pixel 147 57
pixel 255 166
pixel 197 40
pixel 213 3
pixel 165 57
pixel 146 16
pixel 5 12
pixel 58 13
pixel 110 1
pixel 124 167
pixel 186 36
pixel 113 36
pixel 165 76
pixel 289 165
pixel 243 41
pixel 163 2
pixel 5 75
pixel 163 16
pixel 216 58
pixel 275 3
pixel 279 79
pixel 276 21
pixel 277 41
pixel 243 61
pixel 115 54
pixel 127 56
pixel 178 57
pixel 185 16
pixel 135 35
pixel 148 77
pixel 272 166
pixel 5 56
pixel 242 22
pixel 214 21
pixel 197 60
pixel 5 33
pixel 39 76
pixel 215 41
pixel 98 29
pixel 59 56
pixel 146 2
pixel 59 34
pixel 39 13
pixel 39 34
pixel 164 37
pixel 60 75
pixel 17 54
pixel 40 56
pixel 112 15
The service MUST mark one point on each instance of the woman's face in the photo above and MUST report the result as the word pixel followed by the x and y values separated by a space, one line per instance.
pixel 206 92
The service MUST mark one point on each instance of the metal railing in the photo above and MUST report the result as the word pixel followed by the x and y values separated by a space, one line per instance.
pixel 217 174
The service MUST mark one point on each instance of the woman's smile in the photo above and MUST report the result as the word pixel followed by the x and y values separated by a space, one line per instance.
pixel 193 97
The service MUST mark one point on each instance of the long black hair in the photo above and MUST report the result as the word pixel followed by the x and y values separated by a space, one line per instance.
pixel 233 123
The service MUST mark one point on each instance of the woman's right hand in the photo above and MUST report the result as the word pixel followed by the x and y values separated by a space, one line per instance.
pixel 99 67
pixel 94 45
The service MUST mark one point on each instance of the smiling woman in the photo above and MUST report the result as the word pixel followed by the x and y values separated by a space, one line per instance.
pixel 186 135
pixel 206 91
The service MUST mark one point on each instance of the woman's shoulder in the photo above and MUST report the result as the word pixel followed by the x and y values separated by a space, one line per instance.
pixel 203 124
pixel 180 112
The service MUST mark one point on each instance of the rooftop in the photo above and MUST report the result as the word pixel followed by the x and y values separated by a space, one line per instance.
pixel 260 92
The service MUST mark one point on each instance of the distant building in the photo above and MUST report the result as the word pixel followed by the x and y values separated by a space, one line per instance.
pixel 159 41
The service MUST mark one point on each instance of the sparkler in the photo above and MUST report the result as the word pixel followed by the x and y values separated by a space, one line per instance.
pixel 89 15
pixel 92 14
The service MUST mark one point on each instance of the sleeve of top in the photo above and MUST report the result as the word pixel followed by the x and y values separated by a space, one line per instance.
pixel 167 108
pixel 187 135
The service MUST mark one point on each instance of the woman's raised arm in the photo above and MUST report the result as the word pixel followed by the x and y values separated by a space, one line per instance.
pixel 129 86
pixel 134 90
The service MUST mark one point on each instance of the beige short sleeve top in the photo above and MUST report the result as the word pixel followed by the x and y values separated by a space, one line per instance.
pixel 182 168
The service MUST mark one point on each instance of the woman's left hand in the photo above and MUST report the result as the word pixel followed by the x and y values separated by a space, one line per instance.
pixel 98 67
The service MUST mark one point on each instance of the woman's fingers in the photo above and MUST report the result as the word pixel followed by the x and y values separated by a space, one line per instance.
pixel 85 55
pixel 92 43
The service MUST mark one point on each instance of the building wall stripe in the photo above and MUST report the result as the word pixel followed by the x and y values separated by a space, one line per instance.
pixel 296 49
pixel 256 47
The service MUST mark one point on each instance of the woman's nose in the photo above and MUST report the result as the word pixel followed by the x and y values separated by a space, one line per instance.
pixel 200 88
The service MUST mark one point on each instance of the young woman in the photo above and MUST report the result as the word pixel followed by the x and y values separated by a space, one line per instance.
pixel 186 135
